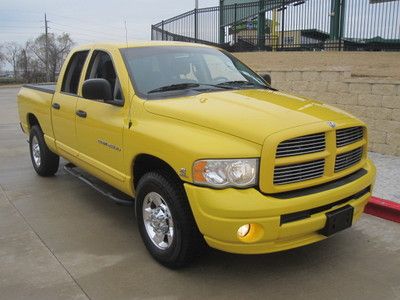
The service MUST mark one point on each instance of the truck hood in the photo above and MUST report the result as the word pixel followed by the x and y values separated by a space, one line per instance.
pixel 248 114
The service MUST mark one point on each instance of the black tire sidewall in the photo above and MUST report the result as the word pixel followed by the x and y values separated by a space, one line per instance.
pixel 48 160
pixel 152 183
pixel 36 132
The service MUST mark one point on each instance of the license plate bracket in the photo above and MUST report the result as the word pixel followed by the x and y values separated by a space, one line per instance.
pixel 338 220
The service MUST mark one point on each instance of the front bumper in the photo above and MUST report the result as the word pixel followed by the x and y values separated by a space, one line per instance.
pixel 219 214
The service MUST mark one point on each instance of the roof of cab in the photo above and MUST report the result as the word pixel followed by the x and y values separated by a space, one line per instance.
pixel 136 45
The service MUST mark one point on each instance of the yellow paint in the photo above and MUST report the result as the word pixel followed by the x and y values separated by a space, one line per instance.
pixel 180 131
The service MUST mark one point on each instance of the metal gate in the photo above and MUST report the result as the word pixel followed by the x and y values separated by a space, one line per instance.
pixel 289 25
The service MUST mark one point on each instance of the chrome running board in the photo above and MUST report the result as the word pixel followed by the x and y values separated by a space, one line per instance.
pixel 100 186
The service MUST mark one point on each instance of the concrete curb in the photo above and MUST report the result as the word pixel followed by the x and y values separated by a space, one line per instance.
pixel 384 209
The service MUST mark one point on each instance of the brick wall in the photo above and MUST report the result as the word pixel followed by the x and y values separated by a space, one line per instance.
pixel 374 100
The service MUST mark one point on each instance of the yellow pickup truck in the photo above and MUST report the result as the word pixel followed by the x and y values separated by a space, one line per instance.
pixel 207 151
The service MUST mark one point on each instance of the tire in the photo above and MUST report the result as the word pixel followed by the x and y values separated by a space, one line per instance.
pixel 176 249
pixel 44 161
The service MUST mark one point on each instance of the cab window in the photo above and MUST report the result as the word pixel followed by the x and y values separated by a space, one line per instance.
pixel 101 66
pixel 73 72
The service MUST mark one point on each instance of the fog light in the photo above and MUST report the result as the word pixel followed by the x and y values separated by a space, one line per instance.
pixel 243 230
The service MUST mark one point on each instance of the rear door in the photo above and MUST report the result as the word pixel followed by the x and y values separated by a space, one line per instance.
pixel 100 128
pixel 64 105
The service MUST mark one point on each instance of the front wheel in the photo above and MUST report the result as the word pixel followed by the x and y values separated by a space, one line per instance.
pixel 165 221
pixel 44 161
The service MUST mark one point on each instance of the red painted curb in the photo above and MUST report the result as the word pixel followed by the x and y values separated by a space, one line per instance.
pixel 384 209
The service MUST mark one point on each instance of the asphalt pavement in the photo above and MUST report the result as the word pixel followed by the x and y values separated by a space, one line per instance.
pixel 59 239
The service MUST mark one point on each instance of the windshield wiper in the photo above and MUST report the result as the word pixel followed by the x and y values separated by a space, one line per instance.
pixel 183 86
pixel 174 87
pixel 236 82
pixel 245 83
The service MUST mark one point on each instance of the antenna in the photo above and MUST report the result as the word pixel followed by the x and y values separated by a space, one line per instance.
pixel 126 35
pixel 46 32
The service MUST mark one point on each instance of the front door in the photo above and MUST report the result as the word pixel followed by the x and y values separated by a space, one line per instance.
pixel 100 125
pixel 64 106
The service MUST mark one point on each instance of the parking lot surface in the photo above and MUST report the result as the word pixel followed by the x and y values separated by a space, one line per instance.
pixel 59 239
pixel 387 182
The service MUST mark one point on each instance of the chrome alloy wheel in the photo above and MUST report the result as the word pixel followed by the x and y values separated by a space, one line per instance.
pixel 158 221
pixel 35 148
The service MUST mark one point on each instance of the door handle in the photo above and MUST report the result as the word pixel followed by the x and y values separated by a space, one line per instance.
pixel 56 105
pixel 81 113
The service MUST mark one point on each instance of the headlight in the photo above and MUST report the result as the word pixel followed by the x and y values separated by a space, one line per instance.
pixel 221 173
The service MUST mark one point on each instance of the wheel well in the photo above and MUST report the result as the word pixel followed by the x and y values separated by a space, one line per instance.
pixel 145 163
pixel 32 120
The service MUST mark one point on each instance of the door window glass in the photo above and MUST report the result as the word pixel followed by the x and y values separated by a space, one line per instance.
pixel 73 72
pixel 101 66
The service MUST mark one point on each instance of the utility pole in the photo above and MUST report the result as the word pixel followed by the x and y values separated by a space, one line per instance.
pixel 46 30
pixel 196 4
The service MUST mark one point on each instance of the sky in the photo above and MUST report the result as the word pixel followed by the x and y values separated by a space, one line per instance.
pixel 88 20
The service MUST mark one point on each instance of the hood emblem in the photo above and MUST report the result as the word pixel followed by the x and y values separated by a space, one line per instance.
pixel 331 124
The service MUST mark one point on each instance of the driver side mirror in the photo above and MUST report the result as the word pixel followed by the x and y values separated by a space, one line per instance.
pixel 267 78
pixel 97 89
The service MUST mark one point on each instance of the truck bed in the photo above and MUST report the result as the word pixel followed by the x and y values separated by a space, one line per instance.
pixel 49 87
pixel 36 100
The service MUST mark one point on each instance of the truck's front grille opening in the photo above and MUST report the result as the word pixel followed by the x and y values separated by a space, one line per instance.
pixel 348 159
pixel 299 172
pixel 293 155
pixel 287 218
pixel 349 136
pixel 302 145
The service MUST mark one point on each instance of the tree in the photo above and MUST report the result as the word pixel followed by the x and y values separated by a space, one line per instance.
pixel 12 50
pixel 2 57
pixel 28 66
pixel 58 48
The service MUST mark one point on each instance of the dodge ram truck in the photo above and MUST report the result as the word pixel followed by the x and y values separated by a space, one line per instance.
pixel 202 146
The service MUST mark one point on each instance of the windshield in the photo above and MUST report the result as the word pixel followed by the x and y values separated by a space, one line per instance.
pixel 167 71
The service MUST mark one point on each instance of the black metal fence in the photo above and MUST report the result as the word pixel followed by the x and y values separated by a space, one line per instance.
pixel 289 25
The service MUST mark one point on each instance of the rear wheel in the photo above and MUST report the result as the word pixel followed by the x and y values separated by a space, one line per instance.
pixel 165 221
pixel 44 161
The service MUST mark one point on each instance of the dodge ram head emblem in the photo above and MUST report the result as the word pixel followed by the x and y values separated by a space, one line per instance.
pixel 331 124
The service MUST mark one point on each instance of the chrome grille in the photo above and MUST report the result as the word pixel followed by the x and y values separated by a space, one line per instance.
pixel 348 136
pixel 299 172
pixel 302 145
pixel 348 159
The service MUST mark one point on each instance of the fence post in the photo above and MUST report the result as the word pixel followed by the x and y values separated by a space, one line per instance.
pixel 261 25
pixel 283 24
pixel 234 26
pixel 162 30
pixel 341 26
pixel 335 19
pixel 221 23
pixel 195 25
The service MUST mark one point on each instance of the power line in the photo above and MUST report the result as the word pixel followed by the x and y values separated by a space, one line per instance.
pixel 85 22
pixel 8 26
pixel 84 32
pixel 18 33
pixel 94 37
pixel 94 31
pixel 19 22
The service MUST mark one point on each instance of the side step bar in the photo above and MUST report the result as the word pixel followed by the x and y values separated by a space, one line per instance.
pixel 103 188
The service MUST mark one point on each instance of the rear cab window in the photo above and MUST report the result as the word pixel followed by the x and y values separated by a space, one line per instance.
pixel 73 72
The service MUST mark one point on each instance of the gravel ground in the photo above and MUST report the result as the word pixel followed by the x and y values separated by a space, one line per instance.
pixel 388 178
